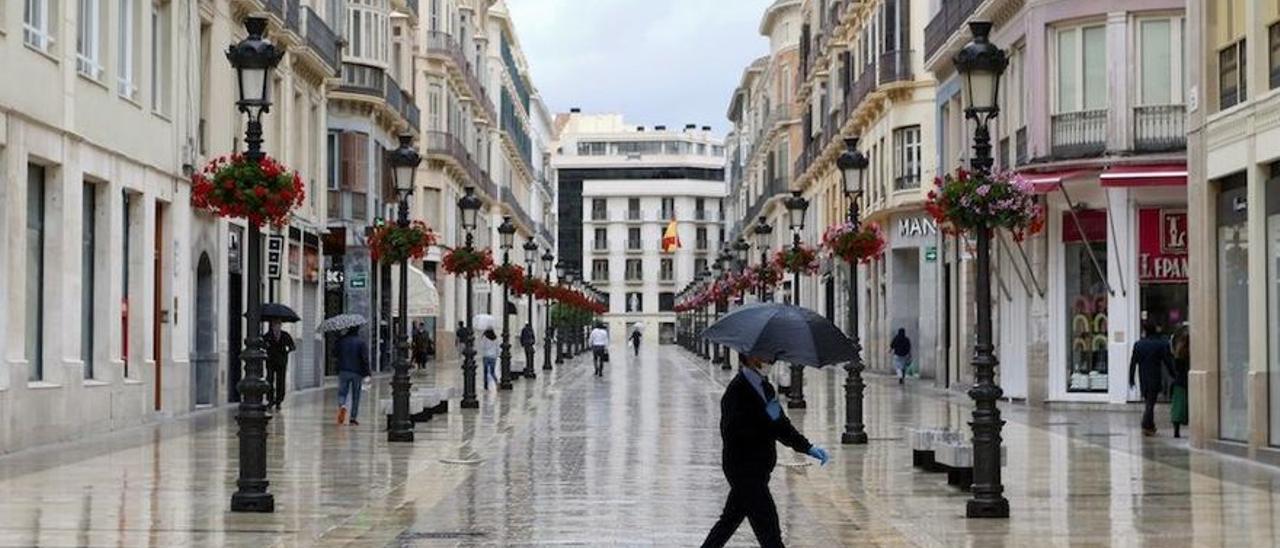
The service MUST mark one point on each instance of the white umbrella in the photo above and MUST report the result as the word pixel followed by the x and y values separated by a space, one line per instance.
pixel 482 322
pixel 341 322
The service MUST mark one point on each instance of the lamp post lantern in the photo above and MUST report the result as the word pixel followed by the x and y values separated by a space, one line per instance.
pixel 469 208
pixel 404 162
pixel 548 264
pixel 561 271
pixel 530 265
pixel 763 233
pixel 253 58
pixel 507 236
pixel 853 165
pixel 980 64
pixel 796 206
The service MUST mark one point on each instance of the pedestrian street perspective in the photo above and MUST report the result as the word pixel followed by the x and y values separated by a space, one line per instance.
pixel 661 273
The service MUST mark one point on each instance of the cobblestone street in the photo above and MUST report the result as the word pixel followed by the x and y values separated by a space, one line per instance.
pixel 628 459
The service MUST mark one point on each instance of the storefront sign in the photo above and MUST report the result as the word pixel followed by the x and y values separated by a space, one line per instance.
pixel 275 250
pixel 334 277
pixel 931 254
pixel 1162 246
pixel 359 281
pixel 916 227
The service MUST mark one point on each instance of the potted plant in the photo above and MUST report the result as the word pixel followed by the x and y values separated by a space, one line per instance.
pixel 797 259
pixel 393 243
pixel 468 262
pixel 967 202
pixel 262 192
pixel 854 243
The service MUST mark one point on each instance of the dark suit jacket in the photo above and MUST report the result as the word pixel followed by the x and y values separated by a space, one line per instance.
pixel 750 436
pixel 1151 355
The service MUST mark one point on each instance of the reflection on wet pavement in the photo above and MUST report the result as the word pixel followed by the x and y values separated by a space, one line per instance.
pixel 628 459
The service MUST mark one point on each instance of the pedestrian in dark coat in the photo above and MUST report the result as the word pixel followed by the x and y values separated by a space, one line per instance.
pixel 278 344
pixel 1151 357
pixel 1178 409
pixel 421 342
pixel 635 341
pixel 353 367
pixel 900 347
pixel 751 425
pixel 527 341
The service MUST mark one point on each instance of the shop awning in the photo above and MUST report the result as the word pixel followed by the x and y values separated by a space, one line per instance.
pixel 1044 183
pixel 424 300
pixel 1145 176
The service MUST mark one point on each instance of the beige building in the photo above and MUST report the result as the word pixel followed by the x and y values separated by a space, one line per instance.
pixel 1234 210
pixel 115 306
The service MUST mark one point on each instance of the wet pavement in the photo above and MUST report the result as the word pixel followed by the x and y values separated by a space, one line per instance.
pixel 631 459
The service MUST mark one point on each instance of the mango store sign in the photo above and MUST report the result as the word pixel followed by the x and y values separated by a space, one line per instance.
pixel 1162 246
pixel 916 227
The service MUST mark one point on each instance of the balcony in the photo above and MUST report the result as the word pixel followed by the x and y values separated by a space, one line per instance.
pixel 1079 134
pixel 517 209
pixel 293 17
pixel 441 144
pixel 545 232
pixel 946 22
pixel 1159 128
pixel 372 81
pixel 599 215
pixel 444 45
pixel 701 215
pixel 861 88
pixel 321 38
pixel 895 66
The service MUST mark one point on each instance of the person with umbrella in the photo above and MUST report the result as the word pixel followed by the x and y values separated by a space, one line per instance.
pixel 278 344
pixel 752 421
pixel 353 362
pixel 635 340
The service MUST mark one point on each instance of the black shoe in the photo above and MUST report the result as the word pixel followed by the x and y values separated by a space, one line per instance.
pixel 901 380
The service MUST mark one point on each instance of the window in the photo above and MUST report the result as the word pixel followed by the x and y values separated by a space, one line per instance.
pixel 602 239
pixel 702 238
pixel 666 302
pixel 34 336
pixel 88 242
pixel 668 208
pixel 160 52
pixel 633 238
pixel 667 270
pixel 1160 54
pixel 89 38
pixel 1085 241
pixel 37 30
pixel 634 270
pixel 126 217
pixel 1233 309
pixel 635 302
pixel 1273 300
pixel 1273 53
pixel 906 158
pixel 600 270
pixel 1232 82
pixel 593 148
pixel 633 209
pixel 1081 69
pixel 699 265
pixel 599 211
pixel 700 209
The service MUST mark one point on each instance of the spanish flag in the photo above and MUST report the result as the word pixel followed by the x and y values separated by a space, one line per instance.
pixel 670 238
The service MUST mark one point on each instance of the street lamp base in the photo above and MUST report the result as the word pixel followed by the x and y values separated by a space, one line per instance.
pixel 797 404
pixel 400 436
pixel 263 503
pixel 987 508
pixel 531 375
pixel 470 404
pixel 724 365
pixel 853 438
pixel 505 384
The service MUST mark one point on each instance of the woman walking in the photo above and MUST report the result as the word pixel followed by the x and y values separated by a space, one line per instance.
pixel 1181 368
pixel 489 352
pixel 353 367
pixel 901 349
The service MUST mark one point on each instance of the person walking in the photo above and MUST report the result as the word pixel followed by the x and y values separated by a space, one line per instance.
pixel 527 340
pixel 353 368
pixel 599 339
pixel 635 341
pixel 278 344
pixel 1181 369
pixel 489 353
pixel 461 337
pixel 420 343
pixel 1151 358
pixel 751 425
pixel 900 347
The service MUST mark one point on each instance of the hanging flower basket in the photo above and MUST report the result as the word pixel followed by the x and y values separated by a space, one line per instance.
pixel 800 259
pixel 768 275
pixel 468 262
pixel 851 244
pixel 262 192
pixel 966 202
pixel 392 243
pixel 510 276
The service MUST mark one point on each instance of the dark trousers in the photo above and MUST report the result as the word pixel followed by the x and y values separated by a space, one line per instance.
pixel 276 378
pixel 748 499
pixel 1149 410
pixel 529 352
pixel 637 347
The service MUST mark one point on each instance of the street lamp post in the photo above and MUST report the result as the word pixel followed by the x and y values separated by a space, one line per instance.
pixel 796 206
pixel 853 165
pixel 718 267
pixel 980 64
pixel 404 162
pixel 741 251
pixel 507 234
pixel 469 207
pixel 763 233
pixel 530 263
pixel 561 270
pixel 548 264
pixel 253 58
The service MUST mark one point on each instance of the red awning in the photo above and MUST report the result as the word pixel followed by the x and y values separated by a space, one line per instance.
pixel 1044 183
pixel 1140 176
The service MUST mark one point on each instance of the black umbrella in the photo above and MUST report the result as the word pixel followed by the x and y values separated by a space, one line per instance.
pixel 277 311
pixel 773 331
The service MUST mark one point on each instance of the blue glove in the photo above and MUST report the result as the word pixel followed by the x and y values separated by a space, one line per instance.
pixel 820 454
pixel 773 408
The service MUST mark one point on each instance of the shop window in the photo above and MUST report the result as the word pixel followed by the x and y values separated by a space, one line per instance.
pixel 34 314
pixel 1233 310
pixel 1084 236
pixel 1273 298
pixel 1162 268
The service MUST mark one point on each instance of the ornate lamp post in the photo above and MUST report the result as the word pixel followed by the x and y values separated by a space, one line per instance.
pixel 853 165
pixel 796 206
pixel 548 264
pixel 469 208
pixel 530 263
pixel 404 163
pixel 980 64
pixel 507 235
pixel 561 271
pixel 704 345
pixel 713 313
pixel 763 233
pixel 253 58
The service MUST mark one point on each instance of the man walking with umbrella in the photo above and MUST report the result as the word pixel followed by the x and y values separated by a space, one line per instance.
pixel 278 344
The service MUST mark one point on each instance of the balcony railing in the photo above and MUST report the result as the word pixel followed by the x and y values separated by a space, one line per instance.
pixel 275 6
pixel 599 215
pixel 946 22
pixel 895 66
pixel 702 245
pixel 375 82
pixel 293 16
pixel 633 245
pixel 1020 145
pixel 509 198
pixel 443 44
pixel 321 38
pixel 444 144
pixel 1078 134
pixel 545 232
pixel 634 215
pixel 701 215
pixel 861 88
pixel 600 245
pixel 1159 128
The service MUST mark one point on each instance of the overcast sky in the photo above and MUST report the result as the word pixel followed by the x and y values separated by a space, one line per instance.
pixel 671 62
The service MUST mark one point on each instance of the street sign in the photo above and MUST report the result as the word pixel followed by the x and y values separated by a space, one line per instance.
pixel 358 281
pixel 275 250
pixel 931 254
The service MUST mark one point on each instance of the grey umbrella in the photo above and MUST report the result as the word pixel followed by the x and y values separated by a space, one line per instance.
pixel 773 331
pixel 341 322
